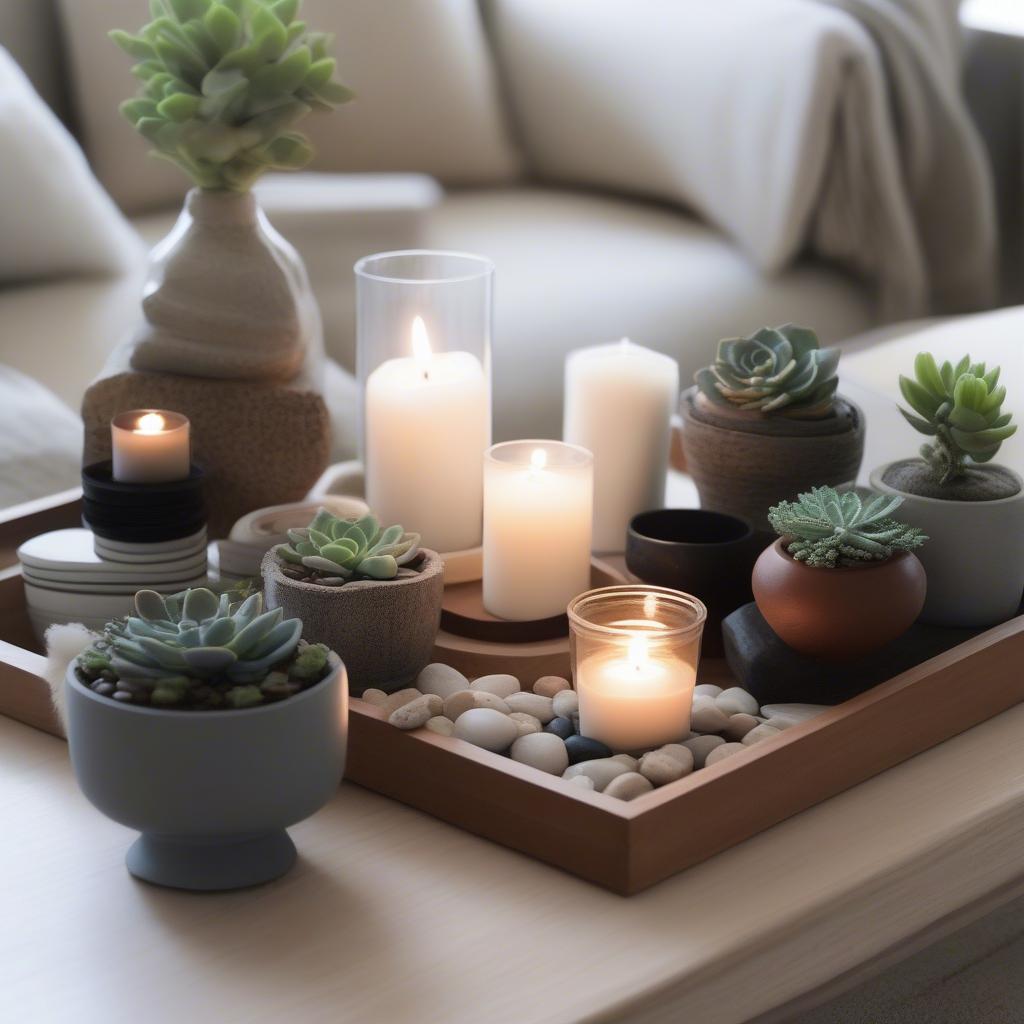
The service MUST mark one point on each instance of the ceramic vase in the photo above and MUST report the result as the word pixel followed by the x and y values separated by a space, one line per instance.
pixel 212 792
pixel 383 630
pixel 743 464
pixel 974 556
pixel 840 613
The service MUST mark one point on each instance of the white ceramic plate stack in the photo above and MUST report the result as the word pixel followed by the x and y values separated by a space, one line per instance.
pixel 239 556
pixel 72 576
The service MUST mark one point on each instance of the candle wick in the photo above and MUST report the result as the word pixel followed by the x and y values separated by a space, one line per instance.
pixel 426 375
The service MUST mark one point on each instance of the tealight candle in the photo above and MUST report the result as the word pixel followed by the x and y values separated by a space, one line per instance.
pixel 618 404
pixel 538 504
pixel 635 651
pixel 150 446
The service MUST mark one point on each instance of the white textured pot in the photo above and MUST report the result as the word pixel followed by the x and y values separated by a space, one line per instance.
pixel 974 556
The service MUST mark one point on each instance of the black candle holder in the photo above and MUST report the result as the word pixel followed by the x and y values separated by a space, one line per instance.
pixel 142 513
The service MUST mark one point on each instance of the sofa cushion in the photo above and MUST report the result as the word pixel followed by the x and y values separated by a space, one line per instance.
pixel 55 219
pixel 575 269
pixel 427 97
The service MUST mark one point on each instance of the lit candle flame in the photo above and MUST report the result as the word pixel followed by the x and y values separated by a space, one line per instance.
pixel 150 423
pixel 421 350
pixel 538 459
pixel 638 652
pixel 624 344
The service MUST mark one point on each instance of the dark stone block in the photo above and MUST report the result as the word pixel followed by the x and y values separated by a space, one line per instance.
pixel 775 673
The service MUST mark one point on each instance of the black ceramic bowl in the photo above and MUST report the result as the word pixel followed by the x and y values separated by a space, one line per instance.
pixel 708 554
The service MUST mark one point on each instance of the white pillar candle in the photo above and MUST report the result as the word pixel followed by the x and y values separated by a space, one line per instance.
pixel 619 401
pixel 150 446
pixel 631 698
pixel 538 499
pixel 427 424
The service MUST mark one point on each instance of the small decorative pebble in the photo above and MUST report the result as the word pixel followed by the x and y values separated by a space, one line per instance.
pixel 739 725
pixel 706 690
pixel 561 727
pixel 440 724
pixel 548 686
pixel 486 728
pixel 542 750
pixel 762 732
pixel 660 768
pixel 628 760
pixel 628 786
pixel 525 723
pixel 394 701
pixel 582 748
pixel 499 685
pixel 782 716
pixel 582 781
pixel 459 703
pixel 701 746
pixel 533 704
pixel 722 752
pixel 376 697
pixel 417 712
pixel 600 772
pixel 442 680
pixel 684 755
pixel 565 703
pixel 736 701
pixel 707 717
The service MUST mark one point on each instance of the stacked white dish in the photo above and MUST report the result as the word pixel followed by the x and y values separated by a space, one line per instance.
pixel 72 576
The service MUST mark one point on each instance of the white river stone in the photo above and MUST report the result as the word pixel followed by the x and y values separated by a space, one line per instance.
pixel 487 728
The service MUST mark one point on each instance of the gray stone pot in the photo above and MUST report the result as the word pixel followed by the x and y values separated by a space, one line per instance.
pixel 974 556
pixel 383 630
pixel 744 465
pixel 211 791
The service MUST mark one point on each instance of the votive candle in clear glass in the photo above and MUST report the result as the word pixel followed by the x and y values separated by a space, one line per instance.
pixel 635 650
pixel 538 508
pixel 150 446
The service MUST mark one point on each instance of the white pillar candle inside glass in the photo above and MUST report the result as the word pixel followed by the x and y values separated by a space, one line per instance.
pixel 619 400
pixel 424 358
pixel 150 446
pixel 634 662
pixel 538 501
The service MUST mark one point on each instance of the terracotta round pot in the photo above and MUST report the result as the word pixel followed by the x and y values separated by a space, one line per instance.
pixel 742 465
pixel 839 613
pixel 383 630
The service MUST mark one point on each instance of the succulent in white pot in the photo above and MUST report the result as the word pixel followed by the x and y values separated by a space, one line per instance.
pixel 970 507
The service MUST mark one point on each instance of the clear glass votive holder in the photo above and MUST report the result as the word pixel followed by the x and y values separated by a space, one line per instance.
pixel 634 653
pixel 423 336
pixel 538 513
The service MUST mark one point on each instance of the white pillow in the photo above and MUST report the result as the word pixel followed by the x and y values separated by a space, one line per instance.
pixel 426 96
pixel 55 219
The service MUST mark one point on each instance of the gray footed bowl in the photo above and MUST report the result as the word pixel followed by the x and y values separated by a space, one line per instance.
pixel 211 791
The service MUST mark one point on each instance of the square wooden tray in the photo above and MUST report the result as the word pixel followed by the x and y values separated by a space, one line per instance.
pixel 624 846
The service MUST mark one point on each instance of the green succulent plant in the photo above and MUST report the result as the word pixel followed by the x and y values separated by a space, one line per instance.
pixel 338 550
pixel 224 82
pixel 826 529
pixel 776 370
pixel 172 641
pixel 961 407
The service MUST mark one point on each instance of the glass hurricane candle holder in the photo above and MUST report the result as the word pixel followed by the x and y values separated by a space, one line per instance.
pixel 634 655
pixel 423 360
pixel 538 510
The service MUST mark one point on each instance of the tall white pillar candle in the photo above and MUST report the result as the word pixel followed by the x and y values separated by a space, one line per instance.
pixel 428 423
pixel 619 401
pixel 150 446
pixel 538 501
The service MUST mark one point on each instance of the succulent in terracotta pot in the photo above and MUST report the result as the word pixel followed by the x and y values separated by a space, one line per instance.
pixel 954 490
pixel 764 419
pixel 842 580
pixel 208 725
pixel 369 592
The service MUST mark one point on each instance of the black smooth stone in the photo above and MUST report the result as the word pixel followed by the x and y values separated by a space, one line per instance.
pixel 98 484
pixel 583 748
pixel 561 727
pixel 776 674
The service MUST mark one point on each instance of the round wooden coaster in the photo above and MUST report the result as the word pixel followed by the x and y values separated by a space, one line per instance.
pixel 463 613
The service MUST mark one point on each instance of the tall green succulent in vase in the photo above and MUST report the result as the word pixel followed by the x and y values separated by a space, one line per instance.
pixel 224 82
